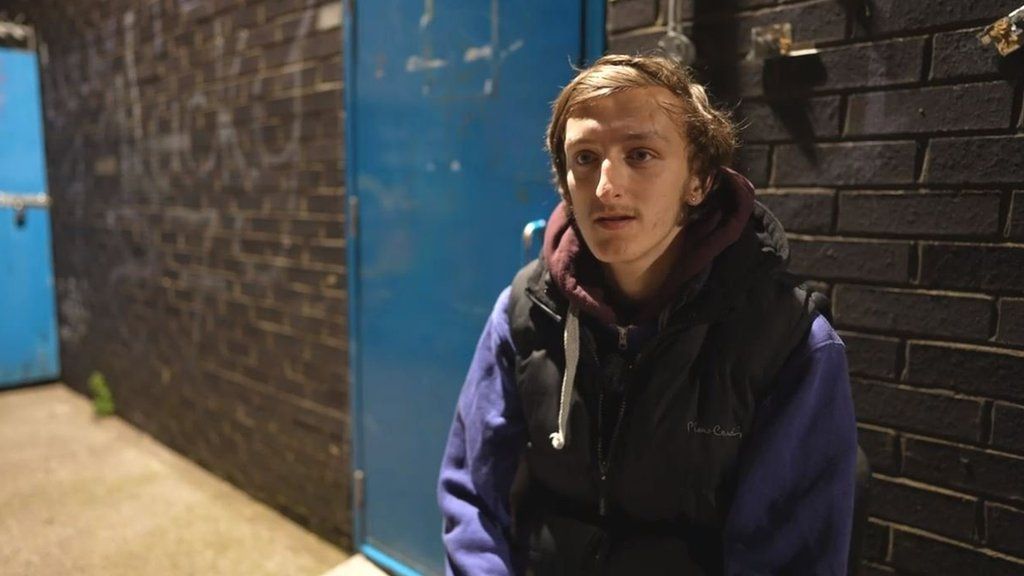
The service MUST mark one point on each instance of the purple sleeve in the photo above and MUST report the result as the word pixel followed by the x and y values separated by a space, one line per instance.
pixel 480 460
pixel 793 510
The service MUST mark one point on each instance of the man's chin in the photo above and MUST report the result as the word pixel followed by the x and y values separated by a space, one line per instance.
pixel 612 252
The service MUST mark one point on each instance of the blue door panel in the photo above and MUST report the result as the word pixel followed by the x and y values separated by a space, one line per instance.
pixel 28 327
pixel 446 152
pixel 28 317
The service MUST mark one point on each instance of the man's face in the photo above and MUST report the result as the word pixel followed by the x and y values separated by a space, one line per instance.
pixel 628 176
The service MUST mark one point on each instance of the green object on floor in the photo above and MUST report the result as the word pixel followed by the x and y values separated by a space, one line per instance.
pixel 102 397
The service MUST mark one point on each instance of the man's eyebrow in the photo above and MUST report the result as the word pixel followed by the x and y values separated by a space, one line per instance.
pixel 629 137
pixel 647 135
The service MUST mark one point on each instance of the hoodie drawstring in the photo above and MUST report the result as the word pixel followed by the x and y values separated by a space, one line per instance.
pixel 572 356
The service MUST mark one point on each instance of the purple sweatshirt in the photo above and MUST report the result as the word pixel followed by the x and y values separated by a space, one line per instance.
pixel 793 508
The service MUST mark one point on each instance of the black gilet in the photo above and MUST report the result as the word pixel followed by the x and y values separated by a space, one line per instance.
pixel 690 400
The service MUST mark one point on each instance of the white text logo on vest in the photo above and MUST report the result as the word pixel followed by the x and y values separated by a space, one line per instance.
pixel 716 430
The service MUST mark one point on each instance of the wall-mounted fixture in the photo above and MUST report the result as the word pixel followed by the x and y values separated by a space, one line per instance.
pixel 1006 33
pixel 15 33
pixel 675 44
pixel 776 41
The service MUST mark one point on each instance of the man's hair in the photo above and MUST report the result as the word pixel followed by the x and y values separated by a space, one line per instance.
pixel 709 132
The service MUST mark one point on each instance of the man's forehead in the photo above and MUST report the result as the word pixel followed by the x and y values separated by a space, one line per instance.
pixel 639 113
pixel 626 127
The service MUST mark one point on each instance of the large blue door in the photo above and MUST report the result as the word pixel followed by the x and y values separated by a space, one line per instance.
pixel 28 318
pixel 447 104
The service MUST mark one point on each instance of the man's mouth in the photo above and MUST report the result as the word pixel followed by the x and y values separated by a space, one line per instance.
pixel 613 221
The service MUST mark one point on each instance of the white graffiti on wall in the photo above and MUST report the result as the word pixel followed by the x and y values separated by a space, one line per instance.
pixel 157 146
pixel 147 154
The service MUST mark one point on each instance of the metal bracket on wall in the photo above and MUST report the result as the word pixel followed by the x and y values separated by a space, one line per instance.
pixel 1006 33
pixel 358 485
pixel 353 214
pixel 675 44
pixel 21 202
pixel 776 41
pixel 16 34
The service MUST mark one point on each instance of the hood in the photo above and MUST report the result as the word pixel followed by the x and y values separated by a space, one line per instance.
pixel 743 239
pixel 733 213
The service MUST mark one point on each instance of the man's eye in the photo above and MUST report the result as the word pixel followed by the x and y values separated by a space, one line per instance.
pixel 582 158
pixel 640 155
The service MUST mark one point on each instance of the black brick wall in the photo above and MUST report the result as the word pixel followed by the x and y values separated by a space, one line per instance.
pixel 195 154
pixel 895 159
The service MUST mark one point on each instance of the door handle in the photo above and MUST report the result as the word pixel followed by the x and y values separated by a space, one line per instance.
pixel 20 202
pixel 528 231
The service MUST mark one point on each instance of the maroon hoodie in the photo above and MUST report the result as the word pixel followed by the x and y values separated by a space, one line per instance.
pixel 577 273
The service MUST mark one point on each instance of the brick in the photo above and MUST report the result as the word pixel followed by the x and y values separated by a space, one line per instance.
pixel 688 9
pixel 984 371
pixel 845 164
pixel 1010 328
pixel 909 312
pixel 963 468
pixel 918 554
pixel 1005 528
pixel 960 55
pixel 329 16
pixel 836 259
pixel 874 64
pixel 818 21
pixel 1008 427
pixel 779 121
pixel 1015 221
pixel 261 36
pixel 932 110
pixel 901 16
pixel 808 210
pixel 321 45
pixel 326 199
pixel 880 448
pixel 979 160
pixel 875 356
pixel 936 414
pixel 276 9
pixel 753 162
pixel 876 541
pixel 332 71
pixel 627 14
pixel 973 266
pixel 944 513
pixel 919 213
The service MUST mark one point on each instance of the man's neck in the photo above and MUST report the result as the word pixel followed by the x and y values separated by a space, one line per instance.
pixel 635 283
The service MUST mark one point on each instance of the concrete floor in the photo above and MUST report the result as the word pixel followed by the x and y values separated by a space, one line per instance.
pixel 87 496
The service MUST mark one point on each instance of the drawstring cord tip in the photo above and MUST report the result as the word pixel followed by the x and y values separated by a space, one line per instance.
pixel 557 440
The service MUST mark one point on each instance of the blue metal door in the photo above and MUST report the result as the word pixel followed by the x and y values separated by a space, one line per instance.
pixel 447 105
pixel 28 316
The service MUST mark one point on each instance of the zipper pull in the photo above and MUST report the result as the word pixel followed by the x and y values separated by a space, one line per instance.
pixel 623 341
pixel 602 502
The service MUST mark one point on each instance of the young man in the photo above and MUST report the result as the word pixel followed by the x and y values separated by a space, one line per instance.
pixel 654 394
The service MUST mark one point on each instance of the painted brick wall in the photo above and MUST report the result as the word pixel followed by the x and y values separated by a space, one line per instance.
pixel 895 158
pixel 195 153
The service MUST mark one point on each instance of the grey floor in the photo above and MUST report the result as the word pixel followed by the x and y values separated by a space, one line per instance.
pixel 87 496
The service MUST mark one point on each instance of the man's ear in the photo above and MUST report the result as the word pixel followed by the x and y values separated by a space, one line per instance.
pixel 696 191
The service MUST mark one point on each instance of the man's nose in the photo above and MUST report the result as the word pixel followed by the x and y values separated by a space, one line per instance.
pixel 610 183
